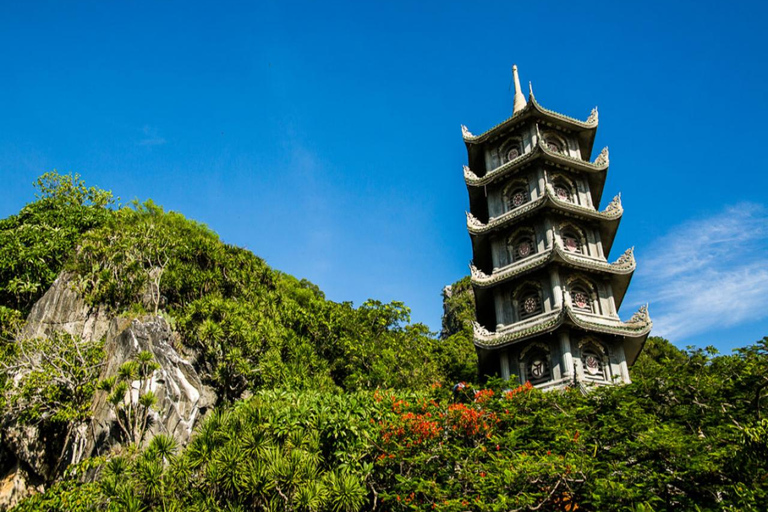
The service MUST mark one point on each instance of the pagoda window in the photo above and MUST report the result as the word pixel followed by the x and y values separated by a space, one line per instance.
pixel 594 361
pixel 512 149
pixel 554 143
pixel 581 300
pixel 571 243
pixel 573 240
pixel 564 189
pixel 583 296
pixel 537 366
pixel 592 365
pixel 529 301
pixel 521 245
pixel 517 195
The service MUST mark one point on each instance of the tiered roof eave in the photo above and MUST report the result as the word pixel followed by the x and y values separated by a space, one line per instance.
pixel 533 109
pixel 634 331
pixel 619 272
pixel 608 219
pixel 598 166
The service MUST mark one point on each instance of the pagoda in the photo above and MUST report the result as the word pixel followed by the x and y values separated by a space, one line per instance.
pixel 546 296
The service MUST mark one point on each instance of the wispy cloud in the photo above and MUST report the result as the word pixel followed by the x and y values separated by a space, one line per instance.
pixel 708 273
pixel 151 137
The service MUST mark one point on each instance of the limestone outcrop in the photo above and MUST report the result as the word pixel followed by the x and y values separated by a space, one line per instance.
pixel 181 396
pixel 28 455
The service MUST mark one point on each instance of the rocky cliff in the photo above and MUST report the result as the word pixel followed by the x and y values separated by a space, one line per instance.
pixel 29 456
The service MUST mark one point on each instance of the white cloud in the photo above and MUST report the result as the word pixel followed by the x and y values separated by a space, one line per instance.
pixel 708 273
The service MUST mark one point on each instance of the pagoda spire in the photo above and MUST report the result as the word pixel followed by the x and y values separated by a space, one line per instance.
pixel 519 101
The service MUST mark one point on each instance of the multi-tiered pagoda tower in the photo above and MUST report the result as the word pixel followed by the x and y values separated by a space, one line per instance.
pixel 546 297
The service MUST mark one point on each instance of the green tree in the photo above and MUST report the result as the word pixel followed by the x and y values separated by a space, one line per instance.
pixel 36 243
pixel 49 383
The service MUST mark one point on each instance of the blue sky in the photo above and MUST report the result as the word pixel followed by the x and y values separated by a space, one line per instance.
pixel 324 136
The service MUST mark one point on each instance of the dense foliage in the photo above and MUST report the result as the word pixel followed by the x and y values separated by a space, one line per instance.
pixel 36 242
pixel 686 435
pixel 458 314
pixel 328 407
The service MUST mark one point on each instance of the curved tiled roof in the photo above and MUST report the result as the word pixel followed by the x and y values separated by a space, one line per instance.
pixel 522 330
pixel 636 327
pixel 613 211
pixel 533 108
pixel 624 265
pixel 639 324
pixel 599 165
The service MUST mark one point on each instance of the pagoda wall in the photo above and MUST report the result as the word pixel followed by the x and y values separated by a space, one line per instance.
pixel 535 182
pixel 493 158
pixel 497 200
pixel 551 282
pixel 592 245
pixel 565 351
pixel 529 137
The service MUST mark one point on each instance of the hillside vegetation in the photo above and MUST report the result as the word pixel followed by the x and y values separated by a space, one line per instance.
pixel 323 406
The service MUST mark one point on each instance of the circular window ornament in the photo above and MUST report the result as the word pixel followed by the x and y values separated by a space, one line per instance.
pixel 512 154
pixel 524 249
pixel 571 244
pixel 562 193
pixel 581 300
pixel 530 305
pixel 552 146
pixel 537 369
pixel 592 364
pixel 518 198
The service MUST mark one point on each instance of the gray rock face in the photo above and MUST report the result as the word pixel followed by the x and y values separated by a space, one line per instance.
pixel 63 309
pixel 182 399
pixel 181 396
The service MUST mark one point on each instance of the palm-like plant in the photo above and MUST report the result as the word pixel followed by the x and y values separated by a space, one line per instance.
pixel 162 447
pixel 228 463
pixel 129 502
pixel 149 474
pixel 130 395
pixel 347 493
pixel 311 496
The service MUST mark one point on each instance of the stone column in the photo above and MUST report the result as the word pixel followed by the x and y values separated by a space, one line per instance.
pixel 542 184
pixel 567 358
pixel 557 291
pixel 599 244
pixel 504 362
pixel 498 301
pixel 521 368
pixel 622 363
